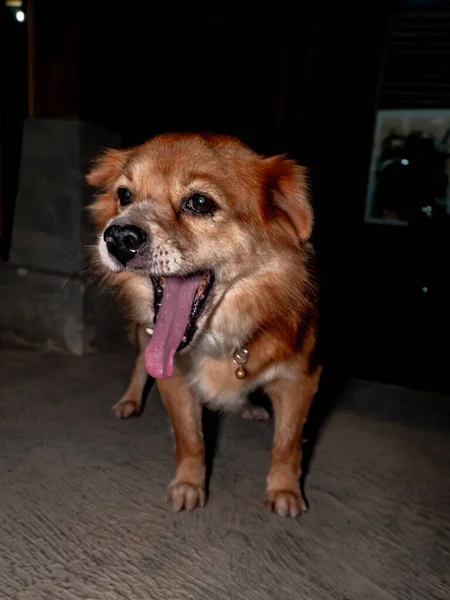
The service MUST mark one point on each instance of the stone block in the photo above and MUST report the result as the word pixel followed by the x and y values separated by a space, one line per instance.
pixel 48 296
pixel 57 312
pixel 51 226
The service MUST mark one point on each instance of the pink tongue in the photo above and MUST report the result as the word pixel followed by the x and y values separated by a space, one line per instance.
pixel 171 325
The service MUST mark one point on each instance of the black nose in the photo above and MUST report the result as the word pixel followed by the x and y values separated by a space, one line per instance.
pixel 123 241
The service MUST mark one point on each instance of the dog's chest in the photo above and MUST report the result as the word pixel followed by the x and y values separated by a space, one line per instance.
pixel 215 381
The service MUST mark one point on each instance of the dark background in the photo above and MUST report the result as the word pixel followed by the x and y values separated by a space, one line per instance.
pixel 300 77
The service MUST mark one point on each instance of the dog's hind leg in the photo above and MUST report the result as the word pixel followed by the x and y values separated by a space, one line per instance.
pixel 255 413
pixel 131 402
pixel 256 407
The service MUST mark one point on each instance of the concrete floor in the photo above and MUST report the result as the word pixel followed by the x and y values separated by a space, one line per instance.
pixel 83 513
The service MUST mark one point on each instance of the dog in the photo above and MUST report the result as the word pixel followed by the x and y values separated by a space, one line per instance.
pixel 208 244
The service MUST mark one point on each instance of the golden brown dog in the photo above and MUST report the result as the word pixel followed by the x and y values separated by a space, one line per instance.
pixel 207 242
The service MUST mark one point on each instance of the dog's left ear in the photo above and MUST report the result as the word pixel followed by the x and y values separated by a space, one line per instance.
pixel 288 191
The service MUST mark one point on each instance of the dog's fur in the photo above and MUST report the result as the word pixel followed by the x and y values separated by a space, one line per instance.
pixel 263 298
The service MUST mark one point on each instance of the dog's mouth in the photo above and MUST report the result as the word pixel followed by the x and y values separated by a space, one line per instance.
pixel 178 303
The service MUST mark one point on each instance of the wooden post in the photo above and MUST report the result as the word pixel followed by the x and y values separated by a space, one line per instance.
pixel 31 60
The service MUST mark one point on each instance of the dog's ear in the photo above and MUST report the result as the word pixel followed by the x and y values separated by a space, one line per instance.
pixel 103 174
pixel 287 191
pixel 106 168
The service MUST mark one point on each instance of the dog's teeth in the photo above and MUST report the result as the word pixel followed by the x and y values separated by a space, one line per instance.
pixel 184 338
pixel 149 331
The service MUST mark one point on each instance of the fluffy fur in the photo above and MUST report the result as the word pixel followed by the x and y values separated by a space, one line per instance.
pixel 263 298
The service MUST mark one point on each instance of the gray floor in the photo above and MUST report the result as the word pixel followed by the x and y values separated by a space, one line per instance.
pixel 83 513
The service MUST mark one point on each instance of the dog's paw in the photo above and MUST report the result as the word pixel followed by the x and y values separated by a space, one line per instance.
pixel 286 504
pixel 184 496
pixel 126 408
pixel 255 413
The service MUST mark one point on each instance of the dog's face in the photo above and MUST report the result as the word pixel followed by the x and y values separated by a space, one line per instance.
pixel 195 214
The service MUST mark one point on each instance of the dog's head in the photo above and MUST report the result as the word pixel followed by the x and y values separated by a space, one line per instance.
pixel 195 214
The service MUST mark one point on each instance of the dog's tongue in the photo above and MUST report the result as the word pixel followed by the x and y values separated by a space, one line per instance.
pixel 171 325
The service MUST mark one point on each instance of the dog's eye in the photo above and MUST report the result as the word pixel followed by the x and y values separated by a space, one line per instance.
pixel 125 196
pixel 201 204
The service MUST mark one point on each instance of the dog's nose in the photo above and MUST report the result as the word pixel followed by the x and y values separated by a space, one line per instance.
pixel 123 241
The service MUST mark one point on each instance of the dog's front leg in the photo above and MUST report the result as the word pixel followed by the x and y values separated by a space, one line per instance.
pixel 131 402
pixel 187 490
pixel 291 402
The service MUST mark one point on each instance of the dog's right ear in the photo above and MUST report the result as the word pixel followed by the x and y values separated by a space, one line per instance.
pixel 103 174
pixel 107 168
